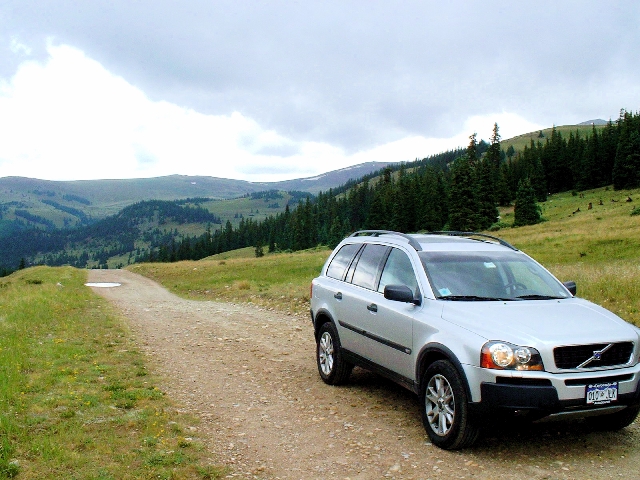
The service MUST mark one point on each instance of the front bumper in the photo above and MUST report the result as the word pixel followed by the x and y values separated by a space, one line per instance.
pixel 541 398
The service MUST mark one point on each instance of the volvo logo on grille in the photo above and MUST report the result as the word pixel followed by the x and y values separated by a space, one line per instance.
pixel 597 356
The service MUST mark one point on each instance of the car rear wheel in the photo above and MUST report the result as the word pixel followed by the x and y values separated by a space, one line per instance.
pixel 333 369
pixel 445 410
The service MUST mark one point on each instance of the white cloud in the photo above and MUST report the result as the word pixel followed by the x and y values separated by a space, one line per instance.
pixel 69 119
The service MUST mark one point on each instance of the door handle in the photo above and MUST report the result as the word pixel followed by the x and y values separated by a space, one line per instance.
pixel 372 308
pixel 338 296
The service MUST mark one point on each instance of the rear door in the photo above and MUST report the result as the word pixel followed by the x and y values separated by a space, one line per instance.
pixel 384 329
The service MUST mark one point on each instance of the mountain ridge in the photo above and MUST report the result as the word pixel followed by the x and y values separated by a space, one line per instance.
pixel 57 200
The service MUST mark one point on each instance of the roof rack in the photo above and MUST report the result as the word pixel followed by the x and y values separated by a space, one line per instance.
pixel 474 234
pixel 376 233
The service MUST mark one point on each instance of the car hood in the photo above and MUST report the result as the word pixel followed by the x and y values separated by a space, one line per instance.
pixel 540 322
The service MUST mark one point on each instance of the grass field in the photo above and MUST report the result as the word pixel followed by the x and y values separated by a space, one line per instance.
pixel 76 401
pixel 279 281
pixel 599 248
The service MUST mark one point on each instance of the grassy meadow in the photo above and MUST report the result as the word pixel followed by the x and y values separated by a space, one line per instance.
pixel 76 401
pixel 277 281
pixel 599 248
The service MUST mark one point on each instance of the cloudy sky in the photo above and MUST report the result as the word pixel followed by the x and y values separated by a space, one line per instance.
pixel 271 90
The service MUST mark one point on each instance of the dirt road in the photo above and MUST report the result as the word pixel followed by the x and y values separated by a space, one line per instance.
pixel 250 376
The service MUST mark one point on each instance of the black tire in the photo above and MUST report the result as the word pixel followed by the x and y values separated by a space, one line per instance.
pixel 614 421
pixel 333 369
pixel 445 407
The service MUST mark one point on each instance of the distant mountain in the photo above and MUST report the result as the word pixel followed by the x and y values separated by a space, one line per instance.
pixel 597 121
pixel 328 180
pixel 70 203
pixel 84 223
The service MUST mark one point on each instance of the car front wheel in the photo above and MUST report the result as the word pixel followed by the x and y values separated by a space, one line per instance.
pixel 615 421
pixel 445 411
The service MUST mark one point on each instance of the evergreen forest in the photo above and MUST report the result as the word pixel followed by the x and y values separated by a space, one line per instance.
pixel 456 190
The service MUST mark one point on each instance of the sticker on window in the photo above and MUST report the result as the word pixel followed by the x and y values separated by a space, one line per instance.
pixel 444 292
pixel 489 265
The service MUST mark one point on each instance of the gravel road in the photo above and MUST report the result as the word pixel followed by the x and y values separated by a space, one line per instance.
pixel 250 375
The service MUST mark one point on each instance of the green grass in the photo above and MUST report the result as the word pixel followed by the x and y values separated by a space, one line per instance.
pixel 248 208
pixel 279 281
pixel 599 248
pixel 76 401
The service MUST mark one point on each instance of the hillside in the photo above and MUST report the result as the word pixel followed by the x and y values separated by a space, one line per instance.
pixel 71 203
pixel 116 238
pixel 584 129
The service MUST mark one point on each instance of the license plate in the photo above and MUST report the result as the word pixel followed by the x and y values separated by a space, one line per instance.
pixel 602 393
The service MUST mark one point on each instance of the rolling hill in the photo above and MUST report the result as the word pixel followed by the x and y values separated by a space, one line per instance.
pixel 62 204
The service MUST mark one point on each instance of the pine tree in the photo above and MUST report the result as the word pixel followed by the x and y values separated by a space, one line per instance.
pixel 510 152
pixel 487 172
pixel 463 203
pixel 626 173
pixel 526 211
pixel 472 149
pixel 485 180
pixel 432 201
pixel 403 206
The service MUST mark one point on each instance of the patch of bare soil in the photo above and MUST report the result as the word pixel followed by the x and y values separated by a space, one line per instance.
pixel 250 376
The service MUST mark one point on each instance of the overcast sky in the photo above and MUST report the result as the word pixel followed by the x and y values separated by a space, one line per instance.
pixel 272 90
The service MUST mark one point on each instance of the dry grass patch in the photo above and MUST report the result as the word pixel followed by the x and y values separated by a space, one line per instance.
pixel 280 281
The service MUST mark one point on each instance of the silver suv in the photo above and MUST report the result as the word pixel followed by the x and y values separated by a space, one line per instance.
pixel 476 328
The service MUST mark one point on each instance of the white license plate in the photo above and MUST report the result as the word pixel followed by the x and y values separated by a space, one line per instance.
pixel 602 393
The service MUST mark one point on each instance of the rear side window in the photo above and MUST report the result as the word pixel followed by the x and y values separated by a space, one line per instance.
pixel 342 260
pixel 371 259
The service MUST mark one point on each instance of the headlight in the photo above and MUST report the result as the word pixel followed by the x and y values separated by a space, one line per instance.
pixel 505 356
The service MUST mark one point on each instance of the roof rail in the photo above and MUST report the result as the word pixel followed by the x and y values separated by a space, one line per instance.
pixel 376 233
pixel 474 234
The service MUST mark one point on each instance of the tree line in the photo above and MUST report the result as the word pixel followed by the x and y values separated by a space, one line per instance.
pixel 456 190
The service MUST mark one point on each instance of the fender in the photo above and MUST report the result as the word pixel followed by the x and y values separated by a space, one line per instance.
pixel 324 313
pixel 436 351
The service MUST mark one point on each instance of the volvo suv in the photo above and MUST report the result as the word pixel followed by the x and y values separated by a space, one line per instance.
pixel 476 328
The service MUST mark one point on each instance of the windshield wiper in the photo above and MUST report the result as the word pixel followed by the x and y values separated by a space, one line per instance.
pixel 472 298
pixel 539 297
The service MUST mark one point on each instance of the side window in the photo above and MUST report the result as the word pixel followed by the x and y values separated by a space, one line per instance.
pixel 398 271
pixel 341 261
pixel 366 273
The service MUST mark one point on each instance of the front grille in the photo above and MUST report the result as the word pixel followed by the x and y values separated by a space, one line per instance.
pixel 572 356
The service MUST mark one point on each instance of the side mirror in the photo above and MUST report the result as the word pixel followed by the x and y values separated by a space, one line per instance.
pixel 400 293
pixel 571 286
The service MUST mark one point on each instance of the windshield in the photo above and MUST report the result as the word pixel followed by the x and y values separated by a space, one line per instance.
pixel 489 276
